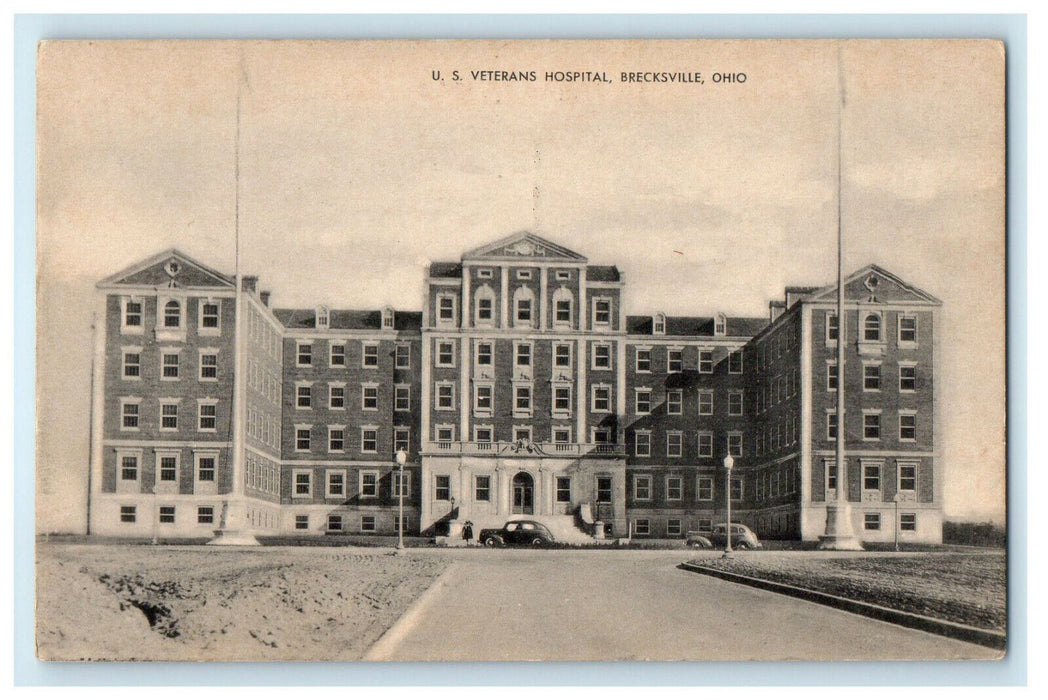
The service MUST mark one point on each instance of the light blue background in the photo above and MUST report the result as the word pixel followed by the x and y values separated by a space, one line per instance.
pixel 29 29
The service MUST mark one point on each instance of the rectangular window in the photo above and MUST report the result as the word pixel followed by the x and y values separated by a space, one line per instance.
pixel 445 433
pixel 705 361
pixel 831 426
pixel 871 426
pixel 562 355
pixel 168 468
pixel 301 522
pixel 705 524
pixel 169 416
pixel 207 416
pixel 562 400
pixel 642 527
pixel 369 398
pixel 170 365
pixel 403 357
pixel 302 439
pixel 127 514
pixel 601 399
pixel 871 477
pixel 704 489
pixel 522 433
pixel 642 441
pixel 482 434
pixel 395 480
pixel 524 274
pixel 642 487
pixel 521 399
pixel 482 488
pixel 562 435
pixel 133 313
pixel 831 476
pixel 871 377
pixel 441 487
pixel 370 356
pixel 484 354
pixel 205 468
pixel 907 477
pixel 735 403
pixel 908 522
pixel 907 427
pixel 336 397
pixel 735 362
pixel 673 527
pixel 303 396
pixel 736 489
pixel 705 403
pixel 523 311
pixel 445 353
pixel 485 310
pixel 563 311
pixel 604 489
pixel 674 488
pixel 563 489
pixel 523 355
pixel 643 360
pixel 369 484
pixel 129 468
pixel 446 309
pixel 209 314
pixel 334 523
pixel 368 440
pixel 674 444
pixel 132 364
pixel 735 444
pixel 336 484
pixel 401 439
pixel 601 312
pixel 643 401
pixel 205 515
pixel 907 329
pixel 871 521
pixel 831 376
pixel 336 439
pixel 208 365
pixel 674 360
pixel 907 378
pixel 304 356
pixel 303 483
pixel 705 444
pixel 445 396
pixel 337 356
pixel 482 399
pixel 831 327
pixel 601 356
pixel 674 402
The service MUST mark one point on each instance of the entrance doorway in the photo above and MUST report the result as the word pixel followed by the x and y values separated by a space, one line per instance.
pixel 523 494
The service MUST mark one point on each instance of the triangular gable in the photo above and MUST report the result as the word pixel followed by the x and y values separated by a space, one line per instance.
pixel 874 284
pixel 523 245
pixel 170 269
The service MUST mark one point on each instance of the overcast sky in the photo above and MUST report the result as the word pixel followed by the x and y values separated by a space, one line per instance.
pixel 357 169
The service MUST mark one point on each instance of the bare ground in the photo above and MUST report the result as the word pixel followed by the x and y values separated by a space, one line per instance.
pixel 970 589
pixel 98 602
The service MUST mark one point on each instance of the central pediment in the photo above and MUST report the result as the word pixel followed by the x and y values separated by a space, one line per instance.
pixel 524 245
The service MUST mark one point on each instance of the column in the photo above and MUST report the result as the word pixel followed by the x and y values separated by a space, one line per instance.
pixel 504 298
pixel 543 272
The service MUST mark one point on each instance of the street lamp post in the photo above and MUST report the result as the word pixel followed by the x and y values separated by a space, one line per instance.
pixel 402 458
pixel 729 462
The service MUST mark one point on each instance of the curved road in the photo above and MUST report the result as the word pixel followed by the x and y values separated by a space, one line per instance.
pixel 512 605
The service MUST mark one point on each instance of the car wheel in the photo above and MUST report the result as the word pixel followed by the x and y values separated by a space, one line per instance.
pixel 538 542
pixel 492 541
pixel 742 545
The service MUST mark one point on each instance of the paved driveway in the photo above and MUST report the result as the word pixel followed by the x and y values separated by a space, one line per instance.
pixel 502 605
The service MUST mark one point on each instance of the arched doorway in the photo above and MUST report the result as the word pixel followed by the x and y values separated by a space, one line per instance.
pixel 523 494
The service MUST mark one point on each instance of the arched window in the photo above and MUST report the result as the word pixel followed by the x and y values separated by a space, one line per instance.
pixel 721 325
pixel 172 314
pixel 871 327
pixel 563 307
pixel 523 308
pixel 323 317
pixel 484 306
pixel 658 325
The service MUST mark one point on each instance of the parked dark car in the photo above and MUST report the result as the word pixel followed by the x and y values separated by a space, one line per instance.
pixel 517 532
pixel 741 537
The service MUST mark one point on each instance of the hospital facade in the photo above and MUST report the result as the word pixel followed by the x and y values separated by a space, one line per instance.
pixel 520 389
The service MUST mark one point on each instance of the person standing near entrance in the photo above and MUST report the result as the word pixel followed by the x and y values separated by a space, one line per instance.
pixel 467 532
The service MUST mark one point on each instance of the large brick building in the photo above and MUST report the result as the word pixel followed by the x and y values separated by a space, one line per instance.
pixel 521 388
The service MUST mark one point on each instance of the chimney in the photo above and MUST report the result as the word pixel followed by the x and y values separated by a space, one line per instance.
pixel 264 296
pixel 775 309
pixel 249 283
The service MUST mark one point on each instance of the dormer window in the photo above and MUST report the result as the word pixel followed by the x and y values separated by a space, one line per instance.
pixel 720 326
pixel 323 317
pixel 658 324
pixel 387 318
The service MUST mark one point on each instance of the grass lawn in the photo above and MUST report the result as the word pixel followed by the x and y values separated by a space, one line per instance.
pixel 969 588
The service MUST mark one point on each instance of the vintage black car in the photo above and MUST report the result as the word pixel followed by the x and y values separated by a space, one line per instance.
pixel 517 532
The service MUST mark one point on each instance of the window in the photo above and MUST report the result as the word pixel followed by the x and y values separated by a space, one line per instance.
pixel 563 275
pixel 445 309
pixel 172 314
pixel 303 396
pixel 735 444
pixel 522 399
pixel 735 362
pixel 395 480
pixel 336 397
pixel 563 489
pixel 831 426
pixel 132 364
pixel 168 416
pixel 369 397
pixel 482 488
pixel 441 487
pixel 523 307
pixel 871 328
pixel 167 515
pixel 337 355
pixel 705 444
pixel 304 354
pixel 370 356
pixel 674 360
pixel 523 355
pixel 369 440
pixel 129 468
pixel 403 357
pixel 482 399
pixel 445 396
pixel 643 360
pixel 323 318
pixel 735 403
pixel 604 489
pixel 907 427
pixel 907 477
pixel 658 324
pixel 673 527
pixel 368 484
pixel 484 354
pixel 601 398
pixel 209 315
pixel 601 436
pixel 401 439
pixel 482 434
pixel 205 515
pixel 674 444
pixel 871 521
pixel 208 365
pixel 704 489
pixel 128 514
pixel 721 325
pixel 674 488
pixel 302 522
pixel 445 353
pixel 871 377
pixel 831 475
pixel 642 487
pixel 207 416
pixel 871 477
pixel 871 426
pixel 524 274
pixel 832 328
pixel 168 470
pixel 601 311
pixel 485 309
pixel 643 401
pixel 302 438
pixel 334 522
pixel 336 484
pixel 402 397
pixel 831 376
pixel 562 400
pixel 303 482
pixel 206 467
pixel 336 439
pixel 907 330
pixel 601 356
pixel 643 443
pixel 445 433
pixel 562 355
pixel 132 314
pixel 561 435
pixel 705 361
pixel 169 364
pixel 642 527
pixel 907 378
pixel 908 522
pixel 485 273
pixel 705 403
pixel 562 307
pixel 674 402
pixel 736 489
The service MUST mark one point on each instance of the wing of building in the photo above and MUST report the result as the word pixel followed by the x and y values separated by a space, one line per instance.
pixel 520 389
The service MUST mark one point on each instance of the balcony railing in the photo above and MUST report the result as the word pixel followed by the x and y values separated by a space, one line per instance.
pixel 522 448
